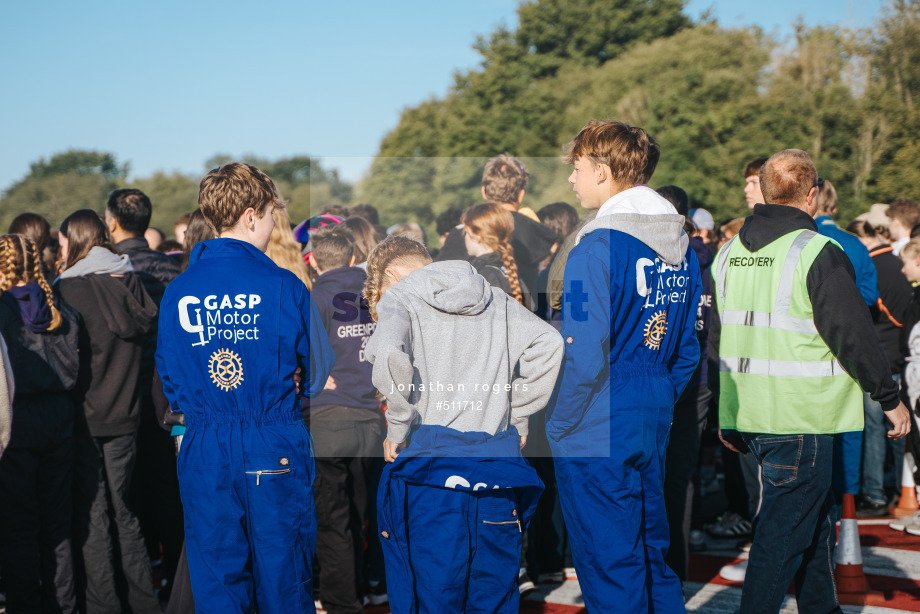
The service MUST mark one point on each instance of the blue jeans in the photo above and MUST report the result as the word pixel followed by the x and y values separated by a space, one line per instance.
pixel 795 533
pixel 875 445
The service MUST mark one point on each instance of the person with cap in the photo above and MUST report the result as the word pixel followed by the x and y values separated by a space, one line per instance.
pixel 704 223
pixel 797 348
pixel 894 298
pixel 848 446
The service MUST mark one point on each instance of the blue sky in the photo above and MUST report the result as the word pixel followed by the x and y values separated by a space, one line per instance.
pixel 166 84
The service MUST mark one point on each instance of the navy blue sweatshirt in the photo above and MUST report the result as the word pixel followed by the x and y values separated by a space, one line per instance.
pixel 348 322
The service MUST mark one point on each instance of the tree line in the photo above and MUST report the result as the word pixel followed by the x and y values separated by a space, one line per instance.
pixel 713 97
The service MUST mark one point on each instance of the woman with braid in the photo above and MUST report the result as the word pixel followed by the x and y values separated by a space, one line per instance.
pixel 462 366
pixel 487 232
pixel 36 471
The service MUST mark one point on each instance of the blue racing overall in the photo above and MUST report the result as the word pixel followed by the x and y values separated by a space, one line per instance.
pixel 631 347
pixel 451 511
pixel 233 330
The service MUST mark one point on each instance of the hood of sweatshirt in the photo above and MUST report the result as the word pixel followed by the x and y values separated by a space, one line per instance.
pixel 643 214
pixel 770 222
pixel 99 261
pixel 29 302
pixel 451 286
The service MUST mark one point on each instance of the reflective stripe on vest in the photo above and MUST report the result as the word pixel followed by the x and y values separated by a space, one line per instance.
pixel 779 318
pixel 781 368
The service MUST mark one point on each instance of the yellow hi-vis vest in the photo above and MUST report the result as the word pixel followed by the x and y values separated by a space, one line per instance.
pixel 776 373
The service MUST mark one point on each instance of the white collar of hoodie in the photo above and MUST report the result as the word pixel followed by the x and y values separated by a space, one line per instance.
pixel 639 199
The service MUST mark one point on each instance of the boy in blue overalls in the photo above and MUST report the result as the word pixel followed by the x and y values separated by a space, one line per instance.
pixel 632 286
pixel 234 330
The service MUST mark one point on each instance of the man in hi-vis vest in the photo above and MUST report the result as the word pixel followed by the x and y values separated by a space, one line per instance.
pixel 797 348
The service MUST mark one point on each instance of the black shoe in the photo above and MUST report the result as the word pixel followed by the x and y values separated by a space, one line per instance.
pixel 869 509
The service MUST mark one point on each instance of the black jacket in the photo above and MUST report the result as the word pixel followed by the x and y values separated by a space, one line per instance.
pixel 43 362
pixel 532 242
pixel 155 270
pixel 490 267
pixel 895 293
pixel 840 313
pixel 117 312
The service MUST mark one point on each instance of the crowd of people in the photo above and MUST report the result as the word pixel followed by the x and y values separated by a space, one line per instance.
pixel 332 414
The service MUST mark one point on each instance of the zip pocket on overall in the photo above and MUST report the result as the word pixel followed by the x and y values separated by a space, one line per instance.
pixel 262 472
pixel 517 522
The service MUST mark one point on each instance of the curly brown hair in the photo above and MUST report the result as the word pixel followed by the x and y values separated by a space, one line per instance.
pixel 20 261
pixel 395 249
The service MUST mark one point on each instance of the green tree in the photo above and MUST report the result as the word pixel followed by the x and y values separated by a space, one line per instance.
pixel 301 180
pixel 58 186
pixel 170 195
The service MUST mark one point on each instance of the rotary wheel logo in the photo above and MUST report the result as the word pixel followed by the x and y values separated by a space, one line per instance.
pixel 226 369
pixel 655 329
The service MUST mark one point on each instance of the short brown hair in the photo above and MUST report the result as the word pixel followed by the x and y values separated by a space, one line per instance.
pixel 503 179
pixel 625 149
pixel 333 247
pixel 753 167
pixel 226 192
pixel 905 210
pixel 787 177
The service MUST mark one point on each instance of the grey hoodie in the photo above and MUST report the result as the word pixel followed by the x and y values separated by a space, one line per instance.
pixel 644 214
pixel 99 261
pixel 664 234
pixel 457 352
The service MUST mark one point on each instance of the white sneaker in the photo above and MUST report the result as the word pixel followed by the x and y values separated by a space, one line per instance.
pixel 525 584
pixel 913 526
pixel 734 573
pixel 901 524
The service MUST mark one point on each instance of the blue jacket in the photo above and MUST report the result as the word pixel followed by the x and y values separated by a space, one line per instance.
pixel 626 313
pixel 348 321
pixel 442 457
pixel 866 275
pixel 233 329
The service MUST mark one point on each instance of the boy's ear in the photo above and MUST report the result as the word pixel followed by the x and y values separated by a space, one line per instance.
pixel 601 172
pixel 352 261
pixel 249 218
pixel 111 223
pixel 393 273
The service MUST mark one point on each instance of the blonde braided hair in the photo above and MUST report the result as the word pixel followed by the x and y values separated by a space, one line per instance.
pixel 20 261
pixel 395 249
pixel 493 225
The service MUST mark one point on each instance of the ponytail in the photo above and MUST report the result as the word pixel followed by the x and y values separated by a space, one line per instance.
pixel 493 225
pixel 20 261
pixel 507 254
